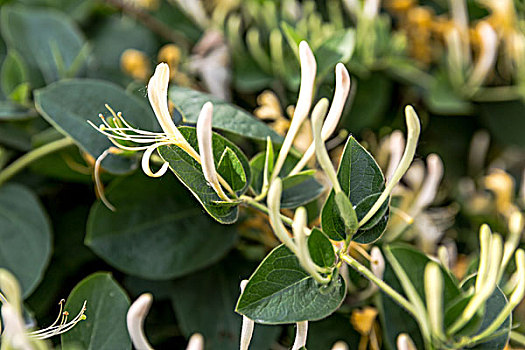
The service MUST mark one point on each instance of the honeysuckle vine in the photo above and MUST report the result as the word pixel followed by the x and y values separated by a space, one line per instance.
pixel 428 315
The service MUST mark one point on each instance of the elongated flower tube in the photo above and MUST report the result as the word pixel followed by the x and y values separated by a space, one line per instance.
pixel 434 297
pixel 274 206
pixel 204 137
pixel 135 321
pixel 340 345
pixel 14 334
pixel 516 225
pixel 300 335
pixel 304 102
pixel 428 190
pixel 377 262
pixel 413 130
pixel 487 56
pixel 303 254
pixel 485 237
pixel 396 146
pixel 196 342
pixel 342 89
pixel 247 325
pixel 404 342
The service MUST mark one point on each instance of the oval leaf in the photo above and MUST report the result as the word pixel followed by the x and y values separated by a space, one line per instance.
pixel 68 104
pixel 107 305
pixel 154 241
pixel 190 174
pixel 25 234
pixel 359 177
pixel 225 116
pixel 280 291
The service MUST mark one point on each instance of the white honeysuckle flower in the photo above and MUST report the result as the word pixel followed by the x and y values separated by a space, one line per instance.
pixel 128 138
pixel 377 262
pixel 196 342
pixel 487 56
pixel 195 10
pixel 247 325
pixel 340 345
pixel 304 102
pixel 428 190
pixel 135 321
pixel 274 207
pixel 61 324
pixel 396 145
pixel 342 89
pixel 204 138
pixel 371 8
pixel 14 334
pixel 300 335
pixel 404 342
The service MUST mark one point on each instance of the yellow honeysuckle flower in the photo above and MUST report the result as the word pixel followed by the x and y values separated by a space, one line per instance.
pixel 136 64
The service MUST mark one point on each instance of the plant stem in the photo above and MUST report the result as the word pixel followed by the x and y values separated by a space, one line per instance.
pixel 517 338
pixel 250 201
pixel 22 162
pixel 356 265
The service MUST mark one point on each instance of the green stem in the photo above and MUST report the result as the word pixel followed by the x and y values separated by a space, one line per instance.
pixel 517 338
pixel 356 265
pixel 22 162
pixel 253 203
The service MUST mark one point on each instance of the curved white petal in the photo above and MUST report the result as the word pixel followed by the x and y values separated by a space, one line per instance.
pixel 135 320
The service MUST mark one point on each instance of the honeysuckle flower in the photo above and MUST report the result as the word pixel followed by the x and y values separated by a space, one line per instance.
pixel 487 56
pixel 433 281
pixel 304 102
pixel 15 331
pixel 247 325
pixel 502 185
pixel 377 262
pixel 342 89
pixel 303 253
pixel 135 321
pixel 195 10
pixel 396 143
pixel 196 342
pixel 340 345
pixel 301 333
pixel 404 342
pixel 170 53
pixel 204 138
pixel 363 321
pixel 274 207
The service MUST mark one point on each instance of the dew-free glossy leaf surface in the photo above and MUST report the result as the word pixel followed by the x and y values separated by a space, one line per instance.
pixel 225 116
pixel 321 249
pixel 280 291
pixel 189 172
pixel 214 291
pixel 25 236
pixel 107 305
pixel 68 104
pixel 359 177
pixel 157 232
pixel 47 39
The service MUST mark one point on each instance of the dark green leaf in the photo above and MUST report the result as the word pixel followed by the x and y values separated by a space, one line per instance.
pixel 359 177
pixel 25 234
pixel 107 305
pixel 68 104
pixel 155 241
pixel 324 334
pixel 230 168
pixel 204 302
pixel 50 54
pixel 321 249
pixel 13 72
pixel 225 116
pixel 280 291
pixel 189 172
pixel 12 111
pixel 505 121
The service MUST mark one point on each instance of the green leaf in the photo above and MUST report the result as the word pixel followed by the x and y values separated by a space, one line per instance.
pixel 189 172
pixel 396 319
pixel 49 41
pixel 324 334
pixel 280 291
pixel 13 72
pixel 107 305
pixel 360 177
pixel 298 189
pixel 338 48
pixel 505 121
pixel 11 111
pixel 225 116
pixel 321 249
pixel 68 104
pixel 25 234
pixel 154 241
pixel 204 302
pixel 230 168
pixel 346 212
